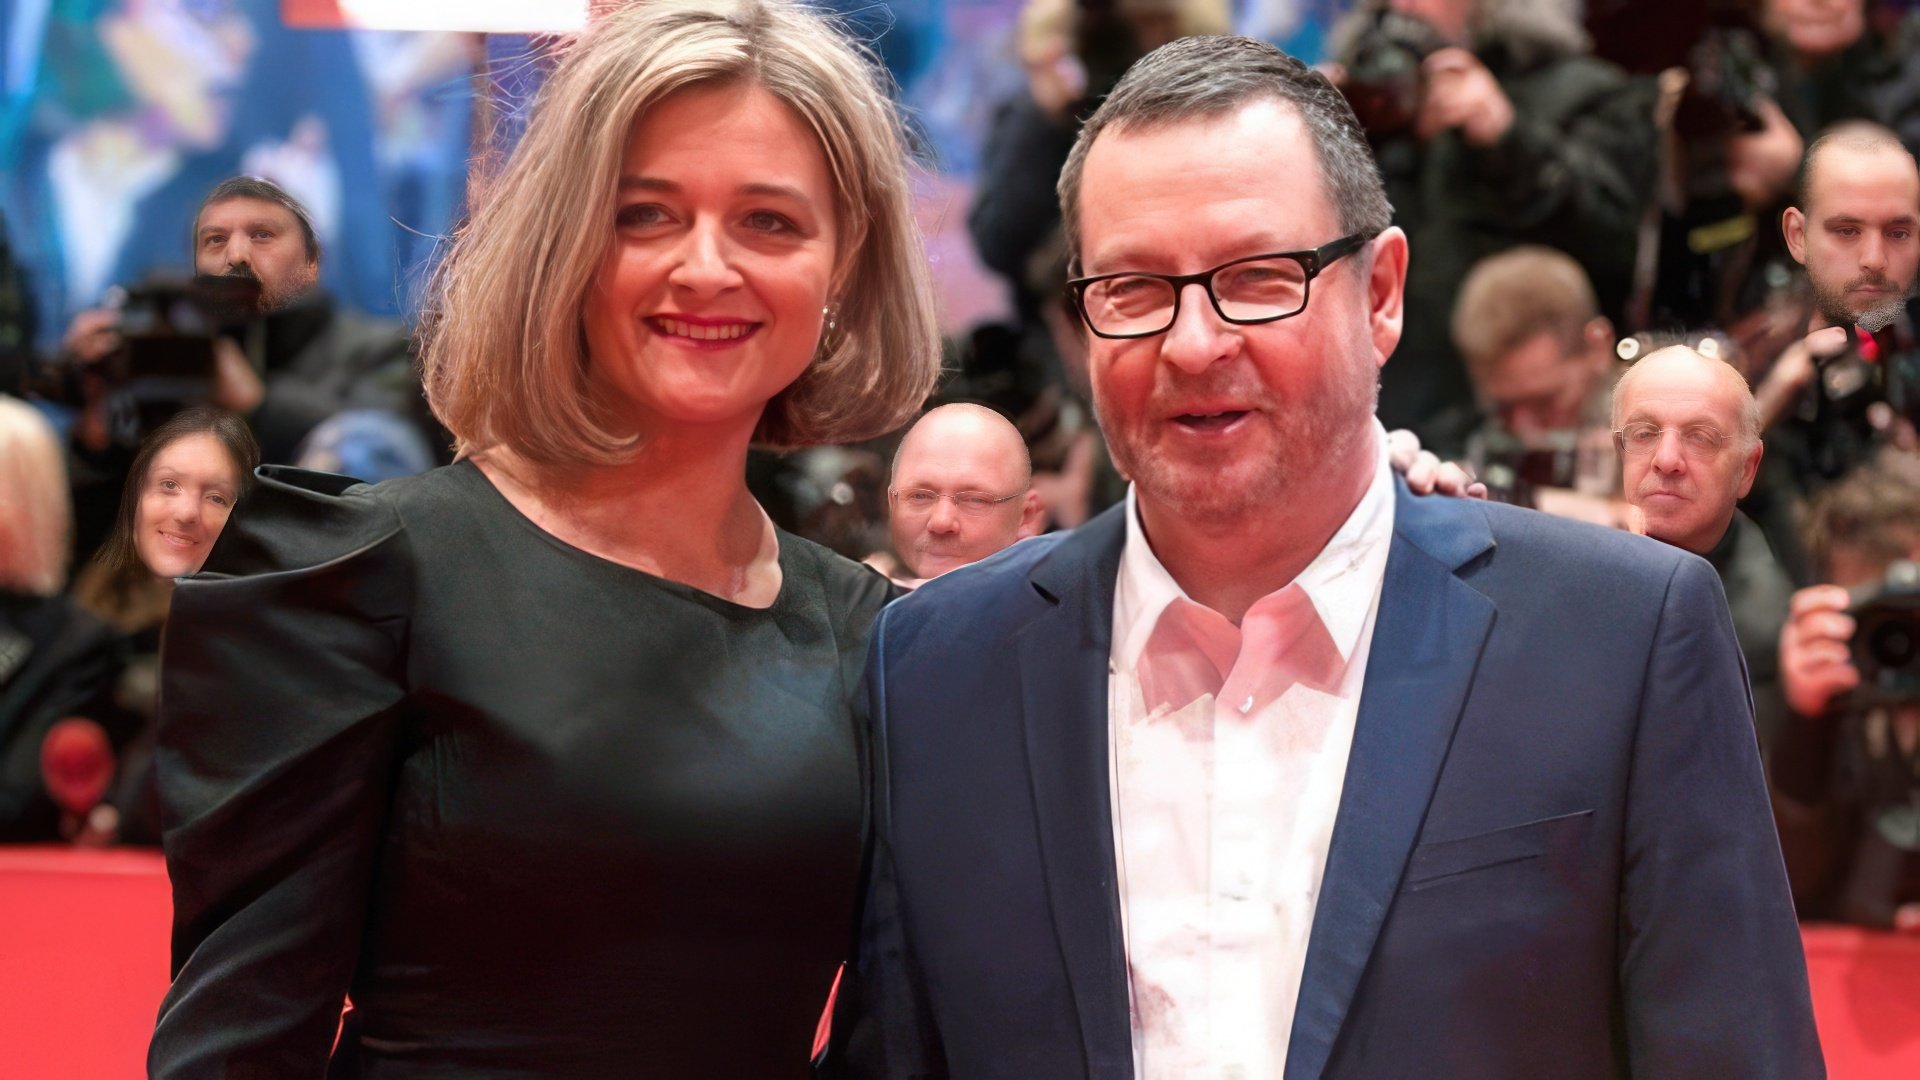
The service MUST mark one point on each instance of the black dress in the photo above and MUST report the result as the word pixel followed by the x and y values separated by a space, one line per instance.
pixel 540 814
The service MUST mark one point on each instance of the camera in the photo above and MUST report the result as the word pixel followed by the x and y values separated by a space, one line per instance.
pixel 1384 65
pixel 1886 638
pixel 168 325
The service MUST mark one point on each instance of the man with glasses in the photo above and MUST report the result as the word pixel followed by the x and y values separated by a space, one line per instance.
pixel 1274 769
pixel 1689 437
pixel 962 490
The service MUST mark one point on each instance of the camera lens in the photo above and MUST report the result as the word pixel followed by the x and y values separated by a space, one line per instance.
pixel 1893 644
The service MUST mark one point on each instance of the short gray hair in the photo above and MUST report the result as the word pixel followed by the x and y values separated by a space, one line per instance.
pixel 1204 77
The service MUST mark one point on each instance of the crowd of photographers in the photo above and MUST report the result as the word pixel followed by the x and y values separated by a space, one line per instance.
pixel 1662 278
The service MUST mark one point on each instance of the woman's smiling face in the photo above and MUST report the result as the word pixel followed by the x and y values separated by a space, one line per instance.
pixel 189 490
pixel 710 300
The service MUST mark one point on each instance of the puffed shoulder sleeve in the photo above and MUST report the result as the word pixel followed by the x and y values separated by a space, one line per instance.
pixel 282 693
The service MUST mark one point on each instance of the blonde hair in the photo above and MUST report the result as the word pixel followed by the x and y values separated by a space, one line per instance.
pixel 35 517
pixel 502 345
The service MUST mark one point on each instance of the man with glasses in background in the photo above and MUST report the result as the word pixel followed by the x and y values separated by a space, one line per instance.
pixel 1689 437
pixel 962 489
pixel 1274 769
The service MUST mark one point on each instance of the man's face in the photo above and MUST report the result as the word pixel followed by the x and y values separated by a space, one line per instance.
pixel 253 238
pixel 1685 489
pixel 1215 421
pixel 1816 28
pixel 949 504
pixel 1859 234
pixel 1539 387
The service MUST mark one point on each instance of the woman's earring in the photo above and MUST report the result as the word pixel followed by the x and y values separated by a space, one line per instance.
pixel 831 315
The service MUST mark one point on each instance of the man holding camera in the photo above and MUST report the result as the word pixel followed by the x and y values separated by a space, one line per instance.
pixel 1493 129
pixel 1830 400
pixel 301 357
pixel 1846 770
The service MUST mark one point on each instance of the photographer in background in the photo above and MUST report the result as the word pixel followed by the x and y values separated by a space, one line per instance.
pixel 1846 767
pixel 1541 357
pixel 1073 51
pixel 1833 64
pixel 1830 400
pixel 1493 129
pixel 293 359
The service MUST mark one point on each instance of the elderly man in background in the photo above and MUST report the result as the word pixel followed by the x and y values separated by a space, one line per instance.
pixel 1689 435
pixel 962 490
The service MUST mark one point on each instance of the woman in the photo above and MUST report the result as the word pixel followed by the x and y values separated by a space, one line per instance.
pixel 548 757
pixel 184 481
pixel 57 663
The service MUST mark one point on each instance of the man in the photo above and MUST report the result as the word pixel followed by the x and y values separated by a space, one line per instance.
pixel 1538 349
pixel 1541 357
pixel 1689 435
pixel 1832 65
pixel 962 490
pixel 1274 769
pixel 306 358
pixel 1843 766
pixel 1517 137
pixel 1856 227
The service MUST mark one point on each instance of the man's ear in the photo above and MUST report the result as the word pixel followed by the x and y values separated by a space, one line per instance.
pixel 1793 226
pixel 1751 469
pixel 1033 516
pixel 1386 292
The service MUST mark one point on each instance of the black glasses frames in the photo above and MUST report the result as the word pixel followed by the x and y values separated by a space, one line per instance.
pixel 1311 264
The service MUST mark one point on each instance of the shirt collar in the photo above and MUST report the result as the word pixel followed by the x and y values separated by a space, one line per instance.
pixel 1340 581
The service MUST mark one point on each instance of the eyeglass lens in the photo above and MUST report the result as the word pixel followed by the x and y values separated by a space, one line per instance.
pixel 1698 442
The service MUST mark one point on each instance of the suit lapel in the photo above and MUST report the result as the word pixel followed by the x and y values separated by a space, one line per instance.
pixel 1063 674
pixel 1427 639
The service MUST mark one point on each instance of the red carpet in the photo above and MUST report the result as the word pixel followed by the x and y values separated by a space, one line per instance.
pixel 83 945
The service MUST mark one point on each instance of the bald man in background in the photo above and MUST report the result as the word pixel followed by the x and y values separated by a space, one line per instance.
pixel 962 490
pixel 1689 437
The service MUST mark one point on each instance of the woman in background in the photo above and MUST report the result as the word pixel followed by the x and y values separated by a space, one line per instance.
pixel 549 758
pixel 185 479
pixel 57 663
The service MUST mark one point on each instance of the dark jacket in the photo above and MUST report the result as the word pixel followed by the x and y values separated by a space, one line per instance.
pixel 318 358
pixel 1758 593
pixel 1553 855
pixel 56 661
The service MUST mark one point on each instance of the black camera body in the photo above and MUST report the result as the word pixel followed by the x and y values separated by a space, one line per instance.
pixel 1886 638
pixel 168 326
pixel 1385 78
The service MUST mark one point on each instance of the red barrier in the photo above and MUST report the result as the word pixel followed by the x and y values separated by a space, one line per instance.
pixel 1866 998
pixel 83 949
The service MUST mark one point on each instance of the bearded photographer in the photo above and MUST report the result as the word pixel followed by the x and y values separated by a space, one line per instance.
pixel 1853 383
pixel 301 357
pixel 1493 129
pixel 1846 768
pixel 285 356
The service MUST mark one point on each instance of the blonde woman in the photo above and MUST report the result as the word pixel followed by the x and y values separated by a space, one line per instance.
pixel 548 758
pixel 56 661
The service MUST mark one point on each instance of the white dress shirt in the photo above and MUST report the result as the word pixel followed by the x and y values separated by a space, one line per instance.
pixel 1228 754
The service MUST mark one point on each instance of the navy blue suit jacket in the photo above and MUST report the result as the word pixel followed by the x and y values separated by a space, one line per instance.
pixel 1554 854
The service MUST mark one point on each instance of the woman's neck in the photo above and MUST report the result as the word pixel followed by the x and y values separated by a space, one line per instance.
pixel 678 509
